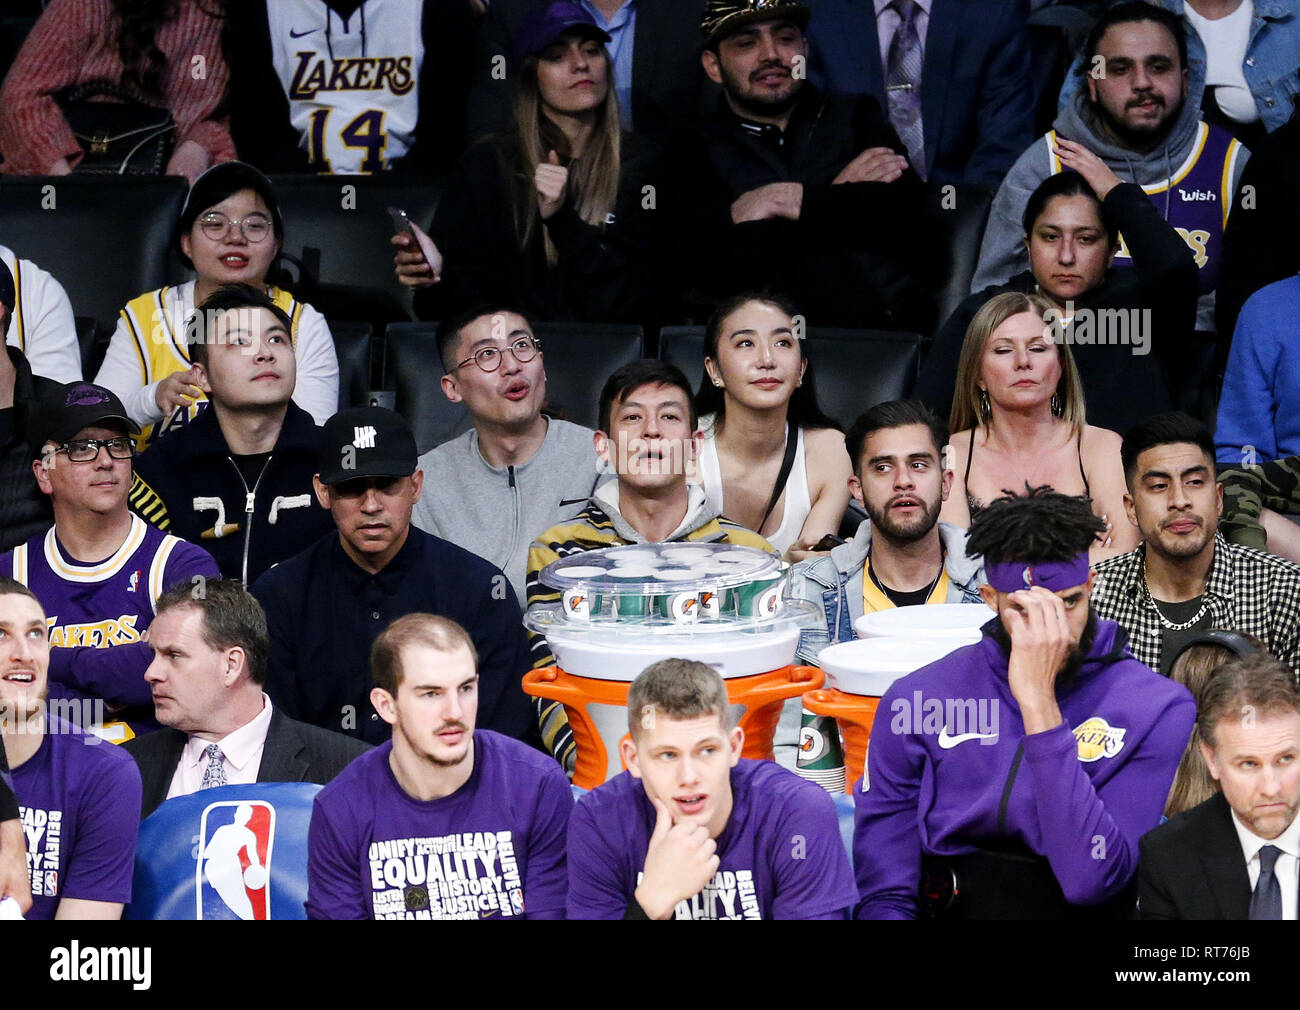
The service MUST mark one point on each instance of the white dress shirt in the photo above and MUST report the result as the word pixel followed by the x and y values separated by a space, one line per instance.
pixel 241 755
pixel 1287 867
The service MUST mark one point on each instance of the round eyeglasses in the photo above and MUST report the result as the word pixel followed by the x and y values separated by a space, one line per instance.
pixel 86 450
pixel 254 227
pixel 489 358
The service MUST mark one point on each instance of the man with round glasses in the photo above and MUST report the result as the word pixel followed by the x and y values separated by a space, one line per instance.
pixel 515 471
pixel 99 569
pixel 229 232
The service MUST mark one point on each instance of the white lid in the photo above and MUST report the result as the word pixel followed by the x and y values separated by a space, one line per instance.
pixel 738 654
pixel 666 566
pixel 936 620
pixel 869 666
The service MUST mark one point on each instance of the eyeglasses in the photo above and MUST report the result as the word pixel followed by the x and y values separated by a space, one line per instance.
pixel 489 358
pixel 86 450
pixel 254 227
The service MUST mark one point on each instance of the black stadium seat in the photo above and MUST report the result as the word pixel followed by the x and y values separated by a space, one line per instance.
pixel 352 340
pixel 105 239
pixel 339 229
pixel 962 233
pixel 579 357
pixel 855 369
pixel 92 341
pixel 412 368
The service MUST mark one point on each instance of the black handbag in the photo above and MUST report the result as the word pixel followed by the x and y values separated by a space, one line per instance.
pixel 122 136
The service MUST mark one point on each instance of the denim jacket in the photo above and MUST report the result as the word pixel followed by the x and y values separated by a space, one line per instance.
pixel 835 581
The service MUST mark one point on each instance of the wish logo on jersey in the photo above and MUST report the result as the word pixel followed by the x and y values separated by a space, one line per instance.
pixel 233 860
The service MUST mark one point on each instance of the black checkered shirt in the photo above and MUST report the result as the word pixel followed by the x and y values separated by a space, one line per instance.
pixel 1247 590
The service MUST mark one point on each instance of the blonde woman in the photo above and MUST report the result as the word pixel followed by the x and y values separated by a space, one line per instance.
pixel 1018 418
pixel 550 217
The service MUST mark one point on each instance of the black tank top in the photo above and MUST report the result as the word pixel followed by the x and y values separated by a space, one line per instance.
pixel 976 506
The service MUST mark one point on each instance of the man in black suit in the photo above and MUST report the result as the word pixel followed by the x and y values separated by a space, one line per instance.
pixel 665 84
pixel 1236 856
pixel 210 647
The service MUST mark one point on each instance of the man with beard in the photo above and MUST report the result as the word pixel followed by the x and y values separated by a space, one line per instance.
pixel 904 556
pixel 1134 117
pixel 798 190
pixel 1184 576
pixel 1013 778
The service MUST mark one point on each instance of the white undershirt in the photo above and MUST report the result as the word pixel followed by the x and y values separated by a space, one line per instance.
pixel 1225 50
pixel 1287 867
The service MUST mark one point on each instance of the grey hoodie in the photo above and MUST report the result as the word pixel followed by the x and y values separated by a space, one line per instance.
pixel 495 512
pixel 1003 253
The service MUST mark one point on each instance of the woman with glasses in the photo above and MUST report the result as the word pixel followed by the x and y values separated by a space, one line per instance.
pixel 554 215
pixel 229 232
pixel 1018 420
pixel 772 461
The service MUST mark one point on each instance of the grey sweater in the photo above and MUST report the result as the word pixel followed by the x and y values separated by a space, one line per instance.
pixel 1003 254
pixel 496 513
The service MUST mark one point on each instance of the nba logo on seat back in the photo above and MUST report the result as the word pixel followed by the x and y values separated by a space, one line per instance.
pixel 233 869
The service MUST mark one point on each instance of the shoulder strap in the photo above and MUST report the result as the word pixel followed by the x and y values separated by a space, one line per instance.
pixel 787 464
pixel 1087 490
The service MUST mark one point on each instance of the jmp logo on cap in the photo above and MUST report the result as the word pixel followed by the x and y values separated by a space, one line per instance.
pixel 363 437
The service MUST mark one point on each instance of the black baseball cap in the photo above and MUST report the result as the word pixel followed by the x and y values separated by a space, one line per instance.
pixel 367 442
pixel 68 408
pixel 544 25
pixel 219 183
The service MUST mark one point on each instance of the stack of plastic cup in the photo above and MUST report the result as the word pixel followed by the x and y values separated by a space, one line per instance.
pixel 821 756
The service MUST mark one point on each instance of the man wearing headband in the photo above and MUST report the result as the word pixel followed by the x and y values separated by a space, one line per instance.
pixel 1014 777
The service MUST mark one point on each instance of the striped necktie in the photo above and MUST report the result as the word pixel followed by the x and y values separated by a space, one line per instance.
pixel 903 83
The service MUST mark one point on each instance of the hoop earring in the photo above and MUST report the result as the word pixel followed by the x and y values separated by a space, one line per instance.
pixel 986 406
pixel 1058 408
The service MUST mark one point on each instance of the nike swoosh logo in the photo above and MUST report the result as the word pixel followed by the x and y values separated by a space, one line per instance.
pixel 949 742
pixel 298 35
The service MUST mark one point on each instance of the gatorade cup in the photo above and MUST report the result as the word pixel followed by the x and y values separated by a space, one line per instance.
pixel 760 598
pixel 679 607
pixel 821 756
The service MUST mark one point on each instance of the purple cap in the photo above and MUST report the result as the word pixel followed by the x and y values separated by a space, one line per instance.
pixel 544 25
pixel 1012 576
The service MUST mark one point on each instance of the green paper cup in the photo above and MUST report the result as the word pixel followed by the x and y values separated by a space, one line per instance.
pixel 760 598
pixel 681 607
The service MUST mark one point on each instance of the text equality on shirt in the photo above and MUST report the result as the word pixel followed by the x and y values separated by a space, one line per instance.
pixel 459 876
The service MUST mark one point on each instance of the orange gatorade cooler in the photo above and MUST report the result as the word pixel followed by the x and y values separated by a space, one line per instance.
pixel 623 608
pixel 891 644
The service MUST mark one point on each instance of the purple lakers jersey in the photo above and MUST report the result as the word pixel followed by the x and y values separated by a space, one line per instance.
pixel 109 603
pixel 1195 200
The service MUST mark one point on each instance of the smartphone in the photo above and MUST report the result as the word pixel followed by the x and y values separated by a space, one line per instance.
pixel 401 221
pixel 829 541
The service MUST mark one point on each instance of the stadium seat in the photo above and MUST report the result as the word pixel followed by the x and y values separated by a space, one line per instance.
pixel 963 232
pixel 352 340
pixel 338 229
pixel 92 341
pixel 855 369
pixel 193 859
pixel 105 239
pixel 579 358
pixel 412 368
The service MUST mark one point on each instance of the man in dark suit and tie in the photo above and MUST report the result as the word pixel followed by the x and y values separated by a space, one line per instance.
pixel 954 76
pixel 1235 856
pixel 210 648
